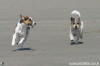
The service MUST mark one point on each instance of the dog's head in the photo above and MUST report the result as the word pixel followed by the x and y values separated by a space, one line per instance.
pixel 27 21
pixel 75 23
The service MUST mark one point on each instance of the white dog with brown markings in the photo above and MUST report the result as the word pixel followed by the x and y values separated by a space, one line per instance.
pixel 77 26
pixel 22 30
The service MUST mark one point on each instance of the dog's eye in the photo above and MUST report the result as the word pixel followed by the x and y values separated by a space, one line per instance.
pixel 30 20
pixel 73 23
pixel 25 18
pixel 77 23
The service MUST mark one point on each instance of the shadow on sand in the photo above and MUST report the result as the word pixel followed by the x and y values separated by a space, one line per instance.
pixel 73 43
pixel 22 49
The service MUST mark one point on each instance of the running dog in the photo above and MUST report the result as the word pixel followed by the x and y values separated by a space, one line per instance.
pixel 77 26
pixel 22 30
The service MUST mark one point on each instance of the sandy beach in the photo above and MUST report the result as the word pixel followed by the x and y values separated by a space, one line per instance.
pixel 48 43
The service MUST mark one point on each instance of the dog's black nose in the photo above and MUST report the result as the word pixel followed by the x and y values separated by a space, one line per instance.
pixel 34 23
pixel 75 26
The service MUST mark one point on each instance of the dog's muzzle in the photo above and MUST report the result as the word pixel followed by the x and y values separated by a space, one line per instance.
pixel 76 27
pixel 30 25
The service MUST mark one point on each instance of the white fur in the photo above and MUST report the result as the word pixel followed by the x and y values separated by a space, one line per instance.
pixel 76 13
pixel 21 34
pixel 78 32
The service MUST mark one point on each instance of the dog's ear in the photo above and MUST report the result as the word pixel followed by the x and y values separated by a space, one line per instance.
pixel 21 21
pixel 72 19
pixel 21 16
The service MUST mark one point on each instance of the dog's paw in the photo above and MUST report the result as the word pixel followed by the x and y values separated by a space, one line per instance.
pixel 72 40
pixel 13 45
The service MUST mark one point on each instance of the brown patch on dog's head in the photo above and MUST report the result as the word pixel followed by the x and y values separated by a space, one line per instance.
pixel 75 23
pixel 26 20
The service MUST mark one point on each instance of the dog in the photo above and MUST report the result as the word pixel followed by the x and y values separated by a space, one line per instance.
pixel 22 30
pixel 77 26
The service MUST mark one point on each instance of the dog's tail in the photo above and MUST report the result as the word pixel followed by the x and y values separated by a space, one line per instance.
pixel 76 13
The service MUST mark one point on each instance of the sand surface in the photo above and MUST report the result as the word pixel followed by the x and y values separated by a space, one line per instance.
pixel 48 43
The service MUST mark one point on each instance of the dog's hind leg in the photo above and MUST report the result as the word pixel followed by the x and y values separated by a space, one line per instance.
pixel 77 40
pixel 82 27
pixel 24 41
pixel 21 42
pixel 81 36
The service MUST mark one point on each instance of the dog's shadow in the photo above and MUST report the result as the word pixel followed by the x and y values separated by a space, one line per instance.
pixel 22 49
pixel 73 43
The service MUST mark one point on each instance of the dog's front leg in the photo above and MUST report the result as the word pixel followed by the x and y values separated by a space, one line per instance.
pixel 71 36
pixel 14 39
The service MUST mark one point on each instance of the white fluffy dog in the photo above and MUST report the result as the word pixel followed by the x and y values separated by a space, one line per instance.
pixel 77 26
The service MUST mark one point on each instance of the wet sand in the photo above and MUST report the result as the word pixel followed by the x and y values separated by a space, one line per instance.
pixel 48 43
